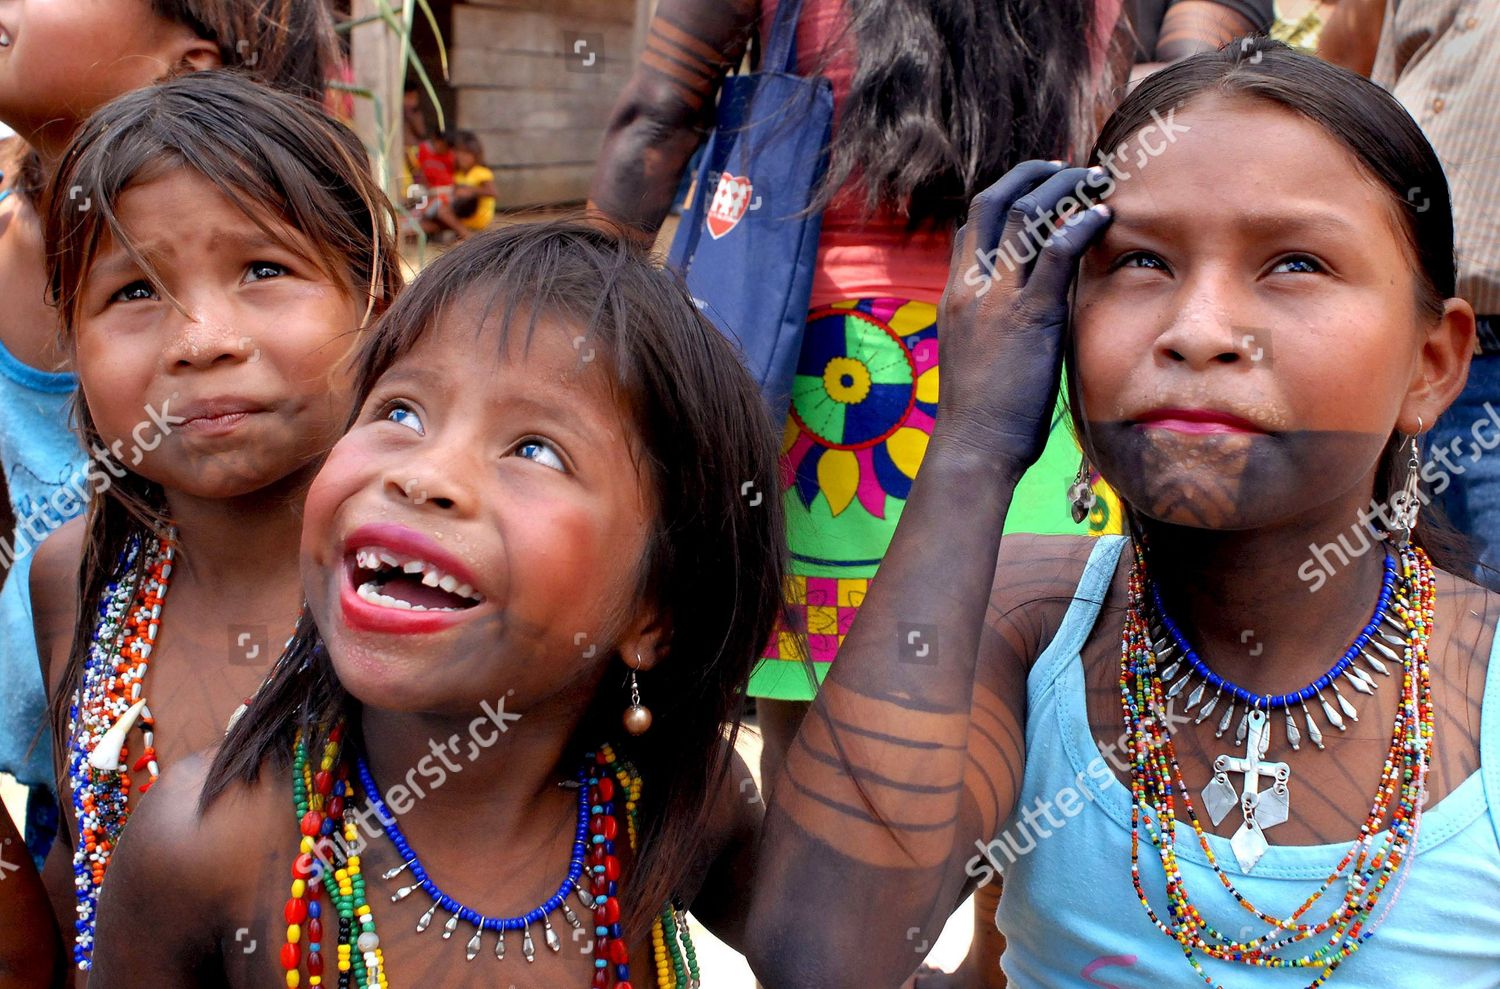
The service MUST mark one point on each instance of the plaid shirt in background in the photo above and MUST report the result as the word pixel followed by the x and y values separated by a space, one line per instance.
pixel 1441 59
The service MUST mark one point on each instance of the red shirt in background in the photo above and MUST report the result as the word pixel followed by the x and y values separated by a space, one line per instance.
pixel 437 169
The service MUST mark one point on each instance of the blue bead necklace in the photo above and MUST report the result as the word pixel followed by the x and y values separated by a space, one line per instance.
pixel 483 922
pixel 1377 636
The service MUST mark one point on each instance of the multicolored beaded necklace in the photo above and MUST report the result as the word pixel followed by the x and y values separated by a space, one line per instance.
pixel 106 705
pixel 1364 871
pixel 323 800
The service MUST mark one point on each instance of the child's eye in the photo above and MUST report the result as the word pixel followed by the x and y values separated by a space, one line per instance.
pixel 264 269
pixel 542 452
pixel 137 291
pixel 1298 264
pixel 405 415
pixel 1141 259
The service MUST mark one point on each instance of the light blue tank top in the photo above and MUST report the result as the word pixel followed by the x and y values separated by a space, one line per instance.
pixel 40 455
pixel 1070 914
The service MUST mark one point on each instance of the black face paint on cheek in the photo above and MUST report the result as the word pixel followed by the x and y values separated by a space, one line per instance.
pixel 1228 480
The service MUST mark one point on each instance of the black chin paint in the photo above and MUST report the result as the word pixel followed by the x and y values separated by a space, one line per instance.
pixel 1230 481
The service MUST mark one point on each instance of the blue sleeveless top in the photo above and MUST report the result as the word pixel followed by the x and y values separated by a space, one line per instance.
pixel 40 456
pixel 1070 914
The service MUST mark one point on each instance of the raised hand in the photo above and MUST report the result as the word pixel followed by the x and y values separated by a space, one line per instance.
pixel 1005 308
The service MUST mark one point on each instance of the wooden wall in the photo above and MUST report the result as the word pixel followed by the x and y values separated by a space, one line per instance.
pixel 536 80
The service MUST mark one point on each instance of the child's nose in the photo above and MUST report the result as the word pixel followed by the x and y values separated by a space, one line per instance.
pixel 1201 333
pixel 207 334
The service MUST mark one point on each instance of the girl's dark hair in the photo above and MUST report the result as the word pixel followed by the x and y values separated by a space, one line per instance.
pixel 288 44
pixel 947 95
pixel 714 561
pixel 1380 135
pixel 276 156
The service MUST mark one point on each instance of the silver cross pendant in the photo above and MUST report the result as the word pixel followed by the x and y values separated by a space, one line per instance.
pixel 1261 809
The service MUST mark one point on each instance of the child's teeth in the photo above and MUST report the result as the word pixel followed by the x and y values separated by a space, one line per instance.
pixel 412 566
pixel 464 591
pixel 388 559
pixel 448 583
pixel 430 578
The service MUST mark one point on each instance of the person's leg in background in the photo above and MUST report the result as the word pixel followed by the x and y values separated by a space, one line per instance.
pixel 1464 447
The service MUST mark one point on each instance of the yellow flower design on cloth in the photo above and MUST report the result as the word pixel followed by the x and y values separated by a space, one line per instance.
pixel 863 402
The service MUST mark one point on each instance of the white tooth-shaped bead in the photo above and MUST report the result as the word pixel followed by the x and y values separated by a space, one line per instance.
pixel 413 566
pixel 448 583
pixel 430 578
pixel 106 754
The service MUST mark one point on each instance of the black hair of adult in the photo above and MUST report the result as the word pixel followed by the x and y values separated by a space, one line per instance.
pixel 714 562
pixel 948 95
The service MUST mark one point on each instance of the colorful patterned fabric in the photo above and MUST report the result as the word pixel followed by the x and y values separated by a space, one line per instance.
pixel 863 405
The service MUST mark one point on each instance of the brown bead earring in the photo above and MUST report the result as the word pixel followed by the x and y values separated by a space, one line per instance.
pixel 637 715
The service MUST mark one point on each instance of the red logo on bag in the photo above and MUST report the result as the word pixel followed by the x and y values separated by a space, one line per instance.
pixel 731 202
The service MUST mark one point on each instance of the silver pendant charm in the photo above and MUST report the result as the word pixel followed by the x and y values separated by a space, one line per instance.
pixel 1314 734
pixel 1248 844
pixel 426 918
pixel 552 941
pixel 570 915
pixel 527 948
pixel 1260 809
pixel 473 948
pixel 500 946
pixel 1219 795
pixel 1330 713
pixel 1224 721
pixel 1344 705
pixel 1356 680
pixel 393 873
pixel 1170 671
pixel 1176 688
pixel 1239 733
pixel 1209 707
pixel 1273 806
pixel 1293 736
pixel 450 927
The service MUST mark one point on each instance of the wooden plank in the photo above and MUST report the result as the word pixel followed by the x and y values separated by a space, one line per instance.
pixel 616 11
pixel 513 30
pixel 541 147
pixel 489 67
pixel 510 109
pixel 376 62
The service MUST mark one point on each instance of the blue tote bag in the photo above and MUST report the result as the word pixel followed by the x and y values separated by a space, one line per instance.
pixel 747 243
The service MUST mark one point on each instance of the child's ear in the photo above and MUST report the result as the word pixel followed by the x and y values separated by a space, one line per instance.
pixel 197 54
pixel 1443 368
pixel 647 645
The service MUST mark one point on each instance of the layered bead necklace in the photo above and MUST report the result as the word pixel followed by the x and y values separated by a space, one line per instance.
pixel 106 705
pixel 323 800
pixel 1408 601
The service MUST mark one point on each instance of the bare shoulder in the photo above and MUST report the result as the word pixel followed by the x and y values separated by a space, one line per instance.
pixel 181 879
pixel 717 891
pixel 54 596
pixel 1036 578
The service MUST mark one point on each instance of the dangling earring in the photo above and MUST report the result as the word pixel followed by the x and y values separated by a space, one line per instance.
pixel 1405 502
pixel 1081 495
pixel 637 715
